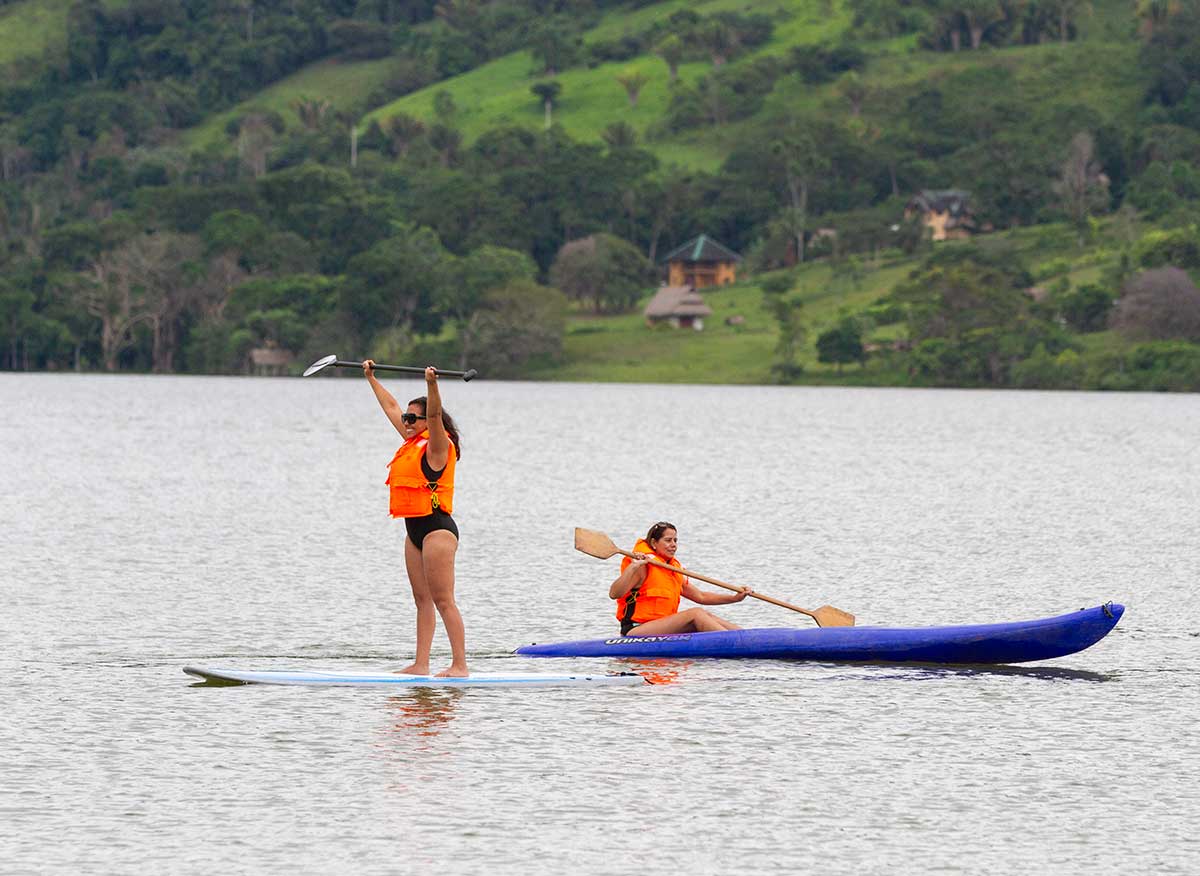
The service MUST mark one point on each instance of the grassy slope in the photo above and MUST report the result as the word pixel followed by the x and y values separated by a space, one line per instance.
pixel 498 93
pixel 622 348
pixel 31 27
pixel 28 28
pixel 339 84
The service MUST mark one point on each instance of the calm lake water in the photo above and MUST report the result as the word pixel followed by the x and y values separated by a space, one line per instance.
pixel 153 522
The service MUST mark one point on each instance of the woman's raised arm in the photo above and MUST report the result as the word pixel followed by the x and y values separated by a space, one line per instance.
pixel 391 407
pixel 437 452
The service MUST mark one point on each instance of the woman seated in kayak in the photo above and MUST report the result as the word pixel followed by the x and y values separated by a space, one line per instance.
pixel 648 596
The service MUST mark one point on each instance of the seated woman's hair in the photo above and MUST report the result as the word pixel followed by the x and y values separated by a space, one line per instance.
pixel 657 530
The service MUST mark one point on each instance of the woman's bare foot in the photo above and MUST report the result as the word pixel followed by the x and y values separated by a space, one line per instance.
pixel 414 669
pixel 456 670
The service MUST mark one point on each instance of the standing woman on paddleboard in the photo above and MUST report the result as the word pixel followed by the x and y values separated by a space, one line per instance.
pixel 421 482
pixel 648 596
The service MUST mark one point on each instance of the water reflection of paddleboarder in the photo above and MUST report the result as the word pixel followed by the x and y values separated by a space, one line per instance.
pixel 648 596
pixel 421 482
pixel 425 711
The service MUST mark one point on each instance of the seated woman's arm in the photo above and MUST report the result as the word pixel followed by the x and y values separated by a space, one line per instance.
pixel 704 597
pixel 634 574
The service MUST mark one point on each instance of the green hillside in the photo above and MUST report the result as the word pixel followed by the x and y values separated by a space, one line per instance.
pixel 498 94
pixel 382 177
pixel 340 83
pixel 622 348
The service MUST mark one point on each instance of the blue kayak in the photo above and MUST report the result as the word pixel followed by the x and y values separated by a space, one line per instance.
pixel 1017 642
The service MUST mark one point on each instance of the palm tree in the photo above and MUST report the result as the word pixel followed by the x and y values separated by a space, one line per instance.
pixel 548 92
pixel 1153 14
pixel 311 111
pixel 671 51
pixel 633 80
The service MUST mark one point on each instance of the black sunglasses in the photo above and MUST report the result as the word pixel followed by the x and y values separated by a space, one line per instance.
pixel 410 418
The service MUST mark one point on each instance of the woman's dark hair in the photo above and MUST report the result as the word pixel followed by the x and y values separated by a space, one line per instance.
pixel 657 530
pixel 447 423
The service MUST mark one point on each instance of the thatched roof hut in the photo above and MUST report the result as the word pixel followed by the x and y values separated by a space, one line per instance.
pixel 680 306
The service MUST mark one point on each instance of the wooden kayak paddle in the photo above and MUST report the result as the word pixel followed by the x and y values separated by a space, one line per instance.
pixel 599 545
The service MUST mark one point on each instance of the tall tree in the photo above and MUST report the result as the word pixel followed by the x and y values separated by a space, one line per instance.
pixel 159 273
pixel 602 269
pixel 718 39
pixel 254 142
pixel 1161 304
pixel 800 160
pixel 671 50
pixel 1152 15
pixel 472 279
pixel 518 324
pixel 16 319
pixel 786 307
pixel 1067 12
pixel 547 93
pixel 1081 185
pixel 397 284
pixel 979 15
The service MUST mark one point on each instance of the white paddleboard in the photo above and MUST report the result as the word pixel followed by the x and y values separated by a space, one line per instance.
pixel 389 679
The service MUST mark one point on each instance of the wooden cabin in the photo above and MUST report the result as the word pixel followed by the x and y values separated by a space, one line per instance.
pixel 701 262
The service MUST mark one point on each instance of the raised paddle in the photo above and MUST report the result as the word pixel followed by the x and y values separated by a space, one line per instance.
pixel 333 360
pixel 597 544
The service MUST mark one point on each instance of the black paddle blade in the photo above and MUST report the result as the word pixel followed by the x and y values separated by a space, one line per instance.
pixel 320 365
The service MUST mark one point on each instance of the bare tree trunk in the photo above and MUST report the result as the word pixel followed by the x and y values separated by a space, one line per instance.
pixel 798 189
pixel 467 336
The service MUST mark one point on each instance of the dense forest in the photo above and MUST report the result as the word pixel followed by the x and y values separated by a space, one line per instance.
pixel 159 213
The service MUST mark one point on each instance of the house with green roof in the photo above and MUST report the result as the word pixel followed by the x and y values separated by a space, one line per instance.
pixel 701 262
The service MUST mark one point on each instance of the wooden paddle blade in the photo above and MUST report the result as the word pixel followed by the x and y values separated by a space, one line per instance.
pixel 828 616
pixel 597 544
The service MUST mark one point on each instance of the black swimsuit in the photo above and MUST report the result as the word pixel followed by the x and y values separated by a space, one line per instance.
pixel 419 527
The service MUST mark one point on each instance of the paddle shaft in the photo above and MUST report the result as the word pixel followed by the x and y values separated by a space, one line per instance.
pixel 705 578
pixel 408 369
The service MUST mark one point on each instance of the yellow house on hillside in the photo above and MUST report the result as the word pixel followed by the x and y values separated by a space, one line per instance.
pixel 947 214
pixel 701 262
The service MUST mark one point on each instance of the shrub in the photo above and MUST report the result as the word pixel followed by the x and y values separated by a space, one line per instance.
pixel 1086 309
pixel 885 312
pixel 1178 248
pixel 817 64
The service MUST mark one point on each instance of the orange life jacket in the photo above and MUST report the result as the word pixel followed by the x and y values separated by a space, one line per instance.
pixel 657 596
pixel 412 494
